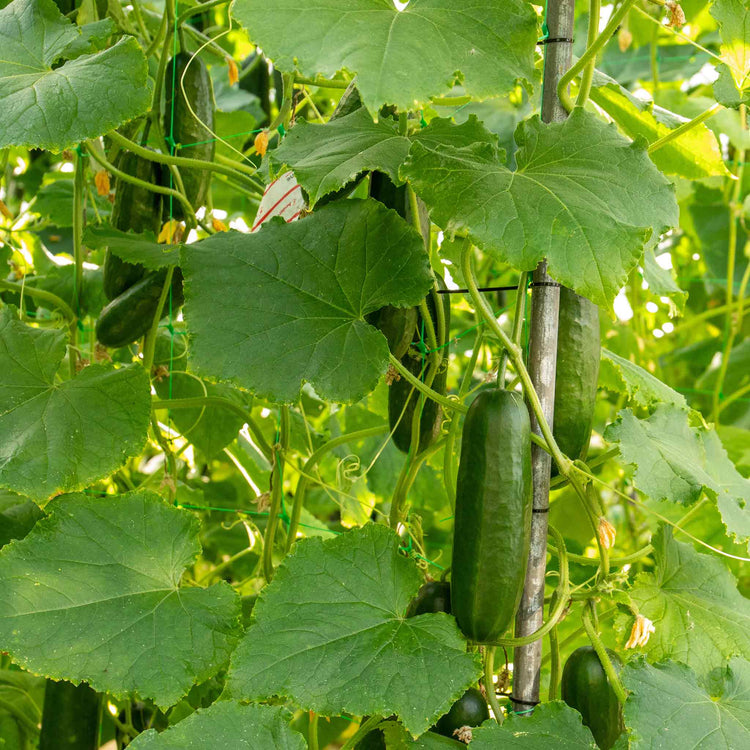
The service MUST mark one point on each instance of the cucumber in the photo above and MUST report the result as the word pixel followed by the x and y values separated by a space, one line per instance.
pixel 135 210
pixel 397 324
pixel 259 82
pixel 586 688
pixel 70 719
pixel 492 528
pixel 578 355
pixel 470 710
pixel 434 596
pixel 129 316
pixel 188 128
pixel 403 398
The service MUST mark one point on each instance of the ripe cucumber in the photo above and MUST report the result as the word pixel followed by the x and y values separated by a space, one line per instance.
pixel 404 399
pixel 470 710
pixel 578 355
pixel 70 719
pixel 586 688
pixel 434 596
pixel 493 515
pixel 129 316
pixel 188 86
pixel 135 210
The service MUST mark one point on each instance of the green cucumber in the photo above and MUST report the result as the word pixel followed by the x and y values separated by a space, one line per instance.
pixel 70 719
pixel 397 324
pixel 492 527
pixel 129 316
pixel 578 355
pixel 259 81
pixel 135 210
pixel 470 710
pixel 586 688
pixel 434 596
pixel 188 87
pixel 404 398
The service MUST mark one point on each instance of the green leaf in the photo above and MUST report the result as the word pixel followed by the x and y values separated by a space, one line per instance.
pixel 668 708
pixel 661 283
pixel 327 157
pixel 62 435
pixel 639 385
pixel 699 616
pixel 79 99
pixel 131 246
pixel 287 303
pixel 54 201
pixel 17 517
pixel 93 593
pixel 677 462
pixel 552 725
pixel 336 610
pixel 226 724
pixel 694 155
pixel 400 57
pixel 733 20
pixel 583 197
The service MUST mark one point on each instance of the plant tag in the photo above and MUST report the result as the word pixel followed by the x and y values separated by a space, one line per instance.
pixel 283 197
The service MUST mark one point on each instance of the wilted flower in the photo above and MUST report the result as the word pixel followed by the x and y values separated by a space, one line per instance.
pixel 101 180
pixel 624 39
pixel 171 232
pixel 607 533
pixel 676 13
pixel 640 633
pixel 234 73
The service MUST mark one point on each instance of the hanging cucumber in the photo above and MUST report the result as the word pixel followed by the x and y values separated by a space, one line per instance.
pixel 578 355
pixel 586 688
pixel 188 87
pixel 403 398
pixel 397 324
pixel 258 81
pixel 470 710
pixel 129 316
pixel 135 210
pixel 70 719
pixel 493 515
pixel 434 596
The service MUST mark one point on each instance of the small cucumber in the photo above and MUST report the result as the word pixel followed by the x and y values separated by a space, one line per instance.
pixel 470 710
pixel 188 87
pixel 397 324
pixel 578 355
pixel 70 719
pixel 586 688
pixel 129 316
pixel 404 399
pixel 434 596
pixel 492 527
pixel 135 210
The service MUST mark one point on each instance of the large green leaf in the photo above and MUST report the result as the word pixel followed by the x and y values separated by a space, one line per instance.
pixel 667 708
pixel 552 725
pixel 287 304
pixel 583 197
pixel 324 158
pixel 93 593
pixel 335 610
pixel 733 19
pixel 694 155
pixel 640 386
pixel 400 57
pixel 55 106
pixel 699 616
pixel 131 246
pixel 676 461
pixel 661 283
pixel 60 436
pixel 226 724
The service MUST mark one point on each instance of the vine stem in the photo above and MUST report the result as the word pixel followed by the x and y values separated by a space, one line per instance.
pixel 320 82
pixel 41 294
pixel 684 128
pixel 125 177
pixel 489 683
pixel 591 52
pixel 518 318
pixel 554 672
pixel 614 679
pixel 276 493
pixel 203 401
pixel 595 7
pixel 364 728
pixel 312 732
pixel 79 186
pixel 445 401
pixel 199 8
pixel 308 468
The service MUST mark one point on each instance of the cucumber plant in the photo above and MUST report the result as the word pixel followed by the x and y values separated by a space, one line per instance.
pixel 298 447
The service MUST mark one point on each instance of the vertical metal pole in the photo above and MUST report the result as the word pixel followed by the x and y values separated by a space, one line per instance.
pixel 542 364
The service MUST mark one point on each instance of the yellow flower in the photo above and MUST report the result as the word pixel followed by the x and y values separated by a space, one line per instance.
pixel 640 632
pixel 607 533
pixel 219 225
pixel 170 232
pixel 101 180
pixel 234 73
pixel 624 39
pixel 261 142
